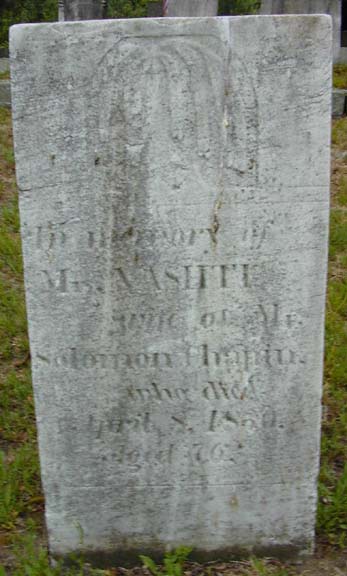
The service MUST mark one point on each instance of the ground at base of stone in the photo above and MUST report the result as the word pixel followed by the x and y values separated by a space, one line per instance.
pixel 333 563
pixel 322 564
pixel 327 561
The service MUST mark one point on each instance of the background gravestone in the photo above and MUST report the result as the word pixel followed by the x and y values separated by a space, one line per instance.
pixel 81 9
pixel 174 217
pixel 331 7
pixel 192 8
pixel 154 9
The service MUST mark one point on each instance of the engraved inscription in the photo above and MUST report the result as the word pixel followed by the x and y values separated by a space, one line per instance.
pixel 190 277
pixel 270 315
pixel 201 356
pixel 197 454
pixel 115 423
pixel 152 278
pixel 245 358
pixel 242 388
pixel 159 393
pixel 62 236
pixel 162 321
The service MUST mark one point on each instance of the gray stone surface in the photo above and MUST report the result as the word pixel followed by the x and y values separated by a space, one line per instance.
pixel 192 8
pixel 339 102
pixel 174 218
pixel 331 7
pixel 5 93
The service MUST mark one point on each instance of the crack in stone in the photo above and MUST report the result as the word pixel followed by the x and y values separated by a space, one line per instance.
pixel 215 221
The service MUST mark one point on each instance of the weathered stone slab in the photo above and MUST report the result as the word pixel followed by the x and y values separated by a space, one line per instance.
pixel 192 8
pixel 331 7
pixel 174 215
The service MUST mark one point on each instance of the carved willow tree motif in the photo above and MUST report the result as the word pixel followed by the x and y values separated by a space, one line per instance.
pixel 171 101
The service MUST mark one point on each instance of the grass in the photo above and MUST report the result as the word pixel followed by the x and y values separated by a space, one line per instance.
pixel 20 494
pixel 5 75
pixel 22 543
pixel 332 510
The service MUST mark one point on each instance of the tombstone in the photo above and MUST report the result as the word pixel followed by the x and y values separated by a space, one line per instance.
pixel 4 65
pixel 174 217
pixel 192 8
pixel 155 9
pixel 61 10
pixel 339 102
pixel 331 7
pixel 81 9
pixel 5 93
